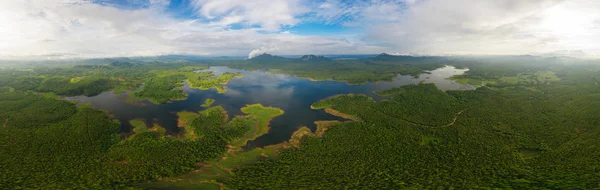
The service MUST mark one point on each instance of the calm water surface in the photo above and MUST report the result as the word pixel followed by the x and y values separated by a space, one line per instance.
pixel 292 94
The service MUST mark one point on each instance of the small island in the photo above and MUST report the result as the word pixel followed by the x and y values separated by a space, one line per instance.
pixel 208 80
pixel 166 85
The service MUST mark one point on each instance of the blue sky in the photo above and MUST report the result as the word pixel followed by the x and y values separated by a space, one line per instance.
pixel 109 28
pixel 310 23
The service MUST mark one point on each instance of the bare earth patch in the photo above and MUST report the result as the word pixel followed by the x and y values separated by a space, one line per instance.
pixel 158 129
pixel 340 114
pixel 323 125
pixel 454 120
pixel 185 118
pixel 299 135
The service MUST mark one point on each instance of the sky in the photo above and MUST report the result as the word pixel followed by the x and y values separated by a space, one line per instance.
pixel 122 28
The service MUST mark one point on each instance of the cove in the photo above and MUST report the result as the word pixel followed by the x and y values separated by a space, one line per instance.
pixel 292 94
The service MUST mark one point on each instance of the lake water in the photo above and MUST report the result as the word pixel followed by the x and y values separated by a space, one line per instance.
pixel 292 94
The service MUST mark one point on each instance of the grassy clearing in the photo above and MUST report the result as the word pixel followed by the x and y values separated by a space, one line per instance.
pixel 430 140
pixel 139 126
pixel 214 172
pixel 208 102
pixel 322 126
pixel 233 160
pixel 185 117
pixel 120 89
pixel 531 78
pixel 474 81
pixel 157 129
pixel 546 76
pixel 514 80
pixel 297 136
pixel 184 121
pixel 263 115
pixel 76 79
pixel 340 114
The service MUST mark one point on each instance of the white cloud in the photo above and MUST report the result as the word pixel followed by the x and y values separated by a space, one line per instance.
pixel 269 14
pixel 336 11
pixel 57 28
pixel 80 28
pixel 487 26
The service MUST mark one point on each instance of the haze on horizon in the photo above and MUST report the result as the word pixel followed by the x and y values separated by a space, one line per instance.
pixel 123 28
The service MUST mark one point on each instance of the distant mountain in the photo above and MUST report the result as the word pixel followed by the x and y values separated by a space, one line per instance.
pixel 314 58
pixel 267 57
pixel 389 57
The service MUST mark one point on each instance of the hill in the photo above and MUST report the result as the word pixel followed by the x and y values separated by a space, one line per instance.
pixel 268 57
pixel 314 58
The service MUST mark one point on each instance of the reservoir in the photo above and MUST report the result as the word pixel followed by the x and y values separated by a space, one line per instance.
pixel 292 94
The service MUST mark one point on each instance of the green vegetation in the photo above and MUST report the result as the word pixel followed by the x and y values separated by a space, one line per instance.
pixel 5 89
pixel 207 80
pixel 162 89
pixel 522 79
pixel 500 136
pixel 49 143
pixel 88 86
pixel 263 116
pixel 139 126
pixel 208 102
pixel 513 72
pixel 382 67
pixel 239 130
pixel 539 77
pixel 185 118
pixel 531 124
pixel 390 91
pixel 159 81
pixel 154 81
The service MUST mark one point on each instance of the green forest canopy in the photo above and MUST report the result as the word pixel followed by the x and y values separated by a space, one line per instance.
pixel 48 143
pixel 527 135
pixel 530 124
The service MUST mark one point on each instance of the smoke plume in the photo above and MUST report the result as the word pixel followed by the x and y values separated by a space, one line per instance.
pixel 260 51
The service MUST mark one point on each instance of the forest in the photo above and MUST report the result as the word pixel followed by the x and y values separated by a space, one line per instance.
pixel 154 81
pixel 48 143
pixel 540 134
pixel 162 89
pixel 208 80
pixel 359 71
pixel 531 123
